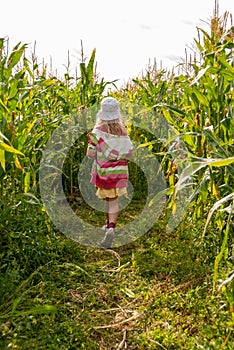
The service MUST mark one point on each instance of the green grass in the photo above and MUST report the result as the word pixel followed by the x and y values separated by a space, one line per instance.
pixel 155 293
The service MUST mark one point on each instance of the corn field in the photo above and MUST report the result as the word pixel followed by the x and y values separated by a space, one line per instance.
pixel 198 103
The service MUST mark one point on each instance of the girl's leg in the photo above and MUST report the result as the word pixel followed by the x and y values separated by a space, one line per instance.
pixel 113 209
pixel 107 211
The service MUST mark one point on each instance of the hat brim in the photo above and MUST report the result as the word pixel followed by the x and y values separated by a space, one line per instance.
pixel 108 116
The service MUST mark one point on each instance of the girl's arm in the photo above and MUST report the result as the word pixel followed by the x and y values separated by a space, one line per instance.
pixel 91 150
pixel 130 153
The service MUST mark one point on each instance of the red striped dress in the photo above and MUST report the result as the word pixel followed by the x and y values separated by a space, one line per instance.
pixel 110 153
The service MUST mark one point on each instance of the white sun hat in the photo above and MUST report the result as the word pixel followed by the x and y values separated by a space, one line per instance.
pixel 109 109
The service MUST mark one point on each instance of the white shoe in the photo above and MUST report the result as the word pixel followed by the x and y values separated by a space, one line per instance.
pixel 104 228
pixel 108 238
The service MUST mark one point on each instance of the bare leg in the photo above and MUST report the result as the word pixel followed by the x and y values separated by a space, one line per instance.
pixel 107 211
pixel 113 209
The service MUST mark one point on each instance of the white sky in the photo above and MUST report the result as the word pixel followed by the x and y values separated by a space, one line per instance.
pixel 125 33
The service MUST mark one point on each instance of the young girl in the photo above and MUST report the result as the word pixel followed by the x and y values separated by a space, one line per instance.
pixel 109 146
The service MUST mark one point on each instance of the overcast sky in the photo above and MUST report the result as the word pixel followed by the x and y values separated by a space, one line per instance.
pixel 126 33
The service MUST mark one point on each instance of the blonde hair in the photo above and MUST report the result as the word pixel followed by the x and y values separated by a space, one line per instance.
pixel 115 127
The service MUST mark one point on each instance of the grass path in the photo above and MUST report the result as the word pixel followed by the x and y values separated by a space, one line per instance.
pixel 155 293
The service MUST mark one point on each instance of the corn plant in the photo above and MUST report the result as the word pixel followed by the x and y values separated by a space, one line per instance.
pixel 198 104
pixel 32 105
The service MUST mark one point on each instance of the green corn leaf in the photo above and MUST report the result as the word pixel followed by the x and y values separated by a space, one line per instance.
pixel 2 159
pixel 16 55
pixel 31 198
pixel 225 63
pixel 168 116
pixel 207 36
pixel 160 195
pixel 83 70
pixel 149 143
pixel 27 179
pixel 176 110
pixel 228 124
pixel 1 43
pixel 2 104
pixel 201 97
pixel 227 75
pixel 3 136
pixel 26 65
pixel 200 74
pixel 10 149
pixel 216 206
pixel 194 167
pixel 199 46
pixel 221 162
pixel 13 89
pixel 90 66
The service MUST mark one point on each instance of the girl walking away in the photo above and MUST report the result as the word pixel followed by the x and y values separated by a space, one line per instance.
pixel 109 146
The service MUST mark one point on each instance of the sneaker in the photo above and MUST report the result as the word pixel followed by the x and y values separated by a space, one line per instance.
pixel 108 238
pixel 104 228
